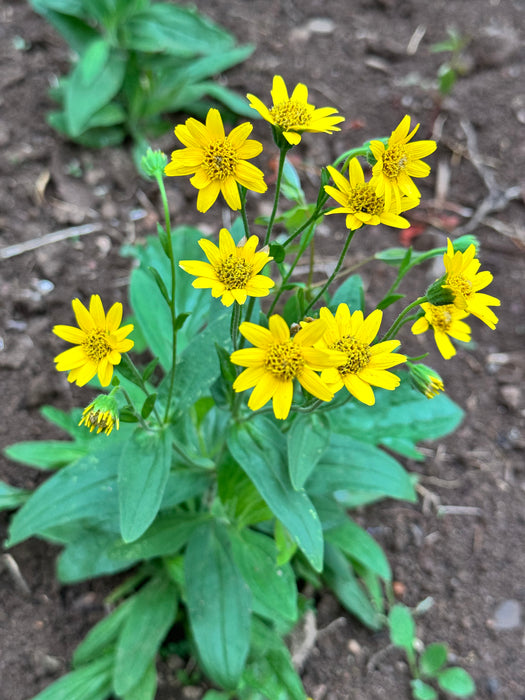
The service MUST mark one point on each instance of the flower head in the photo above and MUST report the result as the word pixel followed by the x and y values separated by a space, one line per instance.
pixel 361 204
pixel 216 161
pixel 101 415
pixel 365 364
pixel 232 270
pixel 465 282
pixel 425 380
pixel 445 320
pixel 398 162
pixel 98 342
pixel 293 115
pixel 277 359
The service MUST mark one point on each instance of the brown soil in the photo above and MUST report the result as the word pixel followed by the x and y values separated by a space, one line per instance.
pixel 361 56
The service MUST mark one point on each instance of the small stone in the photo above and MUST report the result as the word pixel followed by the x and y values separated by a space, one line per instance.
pixel 507 616
pixel 511 395
pixel 355 648
pixel 321 25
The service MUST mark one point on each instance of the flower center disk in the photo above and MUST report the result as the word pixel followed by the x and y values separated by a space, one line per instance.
pixel 442 316
pixel 395 160
pixel 364 199
pixel 234 272
pixel 358 355
pixel 289 114
pixel 284 360
pixel 220 160
pixel 459 285
pixel 96 346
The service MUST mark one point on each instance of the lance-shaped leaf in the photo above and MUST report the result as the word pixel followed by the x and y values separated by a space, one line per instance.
pixel 307 440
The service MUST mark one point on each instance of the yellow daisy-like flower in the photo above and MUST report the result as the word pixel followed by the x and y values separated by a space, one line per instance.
pixel 399 162
pixel 293 115
pixel 98 341
pixel 360 202
pixel 216 161
pixel 232 270
pixel 465 282
pixel 365 364
pixel 277 359
pixel 445 320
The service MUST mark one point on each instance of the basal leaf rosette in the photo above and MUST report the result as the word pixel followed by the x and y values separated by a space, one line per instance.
pixel 277 359
pixel 232 272
pixel 218 163
pixel 99 342
pixel 365 365
pixel 398 162
pixel 293 115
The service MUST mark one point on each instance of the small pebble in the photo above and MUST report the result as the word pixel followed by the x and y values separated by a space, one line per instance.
pixel 507 615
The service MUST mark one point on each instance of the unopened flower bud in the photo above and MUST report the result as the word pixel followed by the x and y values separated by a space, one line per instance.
pixel 425 380
pixel 438 295
pixel 464 242
pixel 154 162
pixel 101 415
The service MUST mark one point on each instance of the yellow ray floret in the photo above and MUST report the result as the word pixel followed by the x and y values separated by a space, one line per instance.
pixel 294 115
pixel 218 163
pixel 277 359
pixel 360 202
pixel 445 320
pixel 465 282
pixel 398 162
pixel 99 342
pixel 232 272
pixel 365 364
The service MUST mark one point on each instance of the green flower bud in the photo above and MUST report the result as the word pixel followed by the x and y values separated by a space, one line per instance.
pixel 154 162
pixel 438 295
pixel 101 415
pixel 464 242
pixel 425 380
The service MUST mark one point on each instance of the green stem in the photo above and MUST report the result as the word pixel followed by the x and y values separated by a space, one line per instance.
pixel 173 312
pixel 420 258
pixel 334 273
pixel 352 153
pixel 402 319
pixel 308 222
pixel 285 279
pixel 282 158
pixel 234 323
pixel 242 193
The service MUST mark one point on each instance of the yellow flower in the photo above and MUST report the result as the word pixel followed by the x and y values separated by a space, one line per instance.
pixel 101 415
pixel 465 282
pixel 360 202
pixel 293 115
pixel 445 320
pixel 365 364
pixel 232 270
pixel 277 359
pixel 216 161
pixel 399 162
pixel 98 341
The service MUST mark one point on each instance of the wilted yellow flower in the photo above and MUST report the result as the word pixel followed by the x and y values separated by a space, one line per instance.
pixel 101 415
pixel 232 270
pixel 445 320
pixel 361 204
pixel 365 364
pixel 465 282
pixel 293 115
pixel 399 162
pixel 277 359
pixel 216 161
pixel 98 341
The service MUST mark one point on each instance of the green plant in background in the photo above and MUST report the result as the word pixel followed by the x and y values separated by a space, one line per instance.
pixel 456 65
pixel 136 60
pixel 222 507
pixel 430 663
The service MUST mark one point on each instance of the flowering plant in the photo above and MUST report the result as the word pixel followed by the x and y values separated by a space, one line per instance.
pixel 222 504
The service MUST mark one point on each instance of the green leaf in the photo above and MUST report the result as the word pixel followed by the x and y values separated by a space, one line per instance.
pixel 432 659
pixel 389 300
pixel 94 61
pixel 360 546
pixel 307 440
pixel 258 446
pixel 91 682
pixel 86 554
pixel 12 497
pixel 291 184
pixel 45 454
pixel 273 587
pixel 151 616
pixel 102 637
pixel 67 421
pixel 422 691
pixel 150 368
pixel 143 471
pixel 286 546
pixel 87 92
pixel 456 681
pixel 393 256
pixel 350 293
pixel 278 252
pixel 339 575
pixel 76 32
pixel 147 406
pixel 402 628
pixel 241 499
pixel 146 688
pixel 355 466
pixel 218 603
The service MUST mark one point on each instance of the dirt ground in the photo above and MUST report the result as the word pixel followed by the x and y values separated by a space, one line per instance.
pixel 462 546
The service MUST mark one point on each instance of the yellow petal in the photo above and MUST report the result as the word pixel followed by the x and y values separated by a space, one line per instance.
pixel 282 399
pixel 256 335
pixel 248 378
pixel 279 329
pixel 263 391
pixel 279 92
pixel 84 318
pixel 238 136
pixel 114 317
pixel 214 124
pixel 70 333
pixel 314 385
pixel 230 192
pixel 208 196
